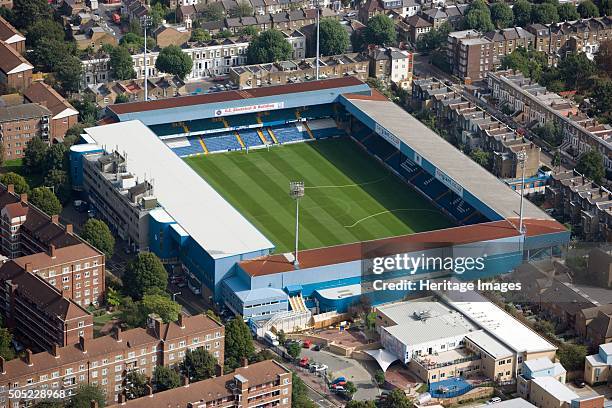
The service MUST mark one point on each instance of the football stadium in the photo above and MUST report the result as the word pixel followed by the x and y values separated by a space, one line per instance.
pixel 216 172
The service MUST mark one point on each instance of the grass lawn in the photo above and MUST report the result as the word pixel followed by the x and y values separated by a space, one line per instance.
pixel 349 196
pixel 16 166
pixel 101 320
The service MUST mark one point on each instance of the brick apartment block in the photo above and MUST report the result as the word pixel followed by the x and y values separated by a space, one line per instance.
pixel 105 361
pixel 15 71
pixel 19 124
pixel 9 34
pixel 266 384
pixel 63 114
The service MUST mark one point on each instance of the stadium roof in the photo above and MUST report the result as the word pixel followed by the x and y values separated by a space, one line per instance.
pixel 444 156
pixel 210 220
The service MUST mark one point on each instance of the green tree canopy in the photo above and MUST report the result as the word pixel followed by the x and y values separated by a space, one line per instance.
pixel 522 13
pixel 294 349
pixel 46 200
pixel 167 309
pixel 56 158
pixel 380 30
pixel 572 356
pixel 6 350
pixel 45 28
pixel 544 13
pixel 397 399
pixel 59 181
pixel 198 365
pixel 605 7
pixel 121 98
pixel 212 12
pixel 84 394
pixel 601 100
pixel 501 15
pixel 360 404
pixel 333 36
pixel 135 385
pixel 435 38
pixel 576 70
pixel 27 12
pixel 603 58
pixel 121 63
pixel 242 9
pixel 299 393
pixel 481 157
pixel 249 31
pixel 144 274
pixel 268 46
pixel 238 343
pixel 69 72
pixel 199 34
pixel 20 184
pixel 588 9
pixel 479 20
pixel 173 60
pixel 165 378
pixel 590 164
pixel 48 53
pixel 97 233
pixel 567 12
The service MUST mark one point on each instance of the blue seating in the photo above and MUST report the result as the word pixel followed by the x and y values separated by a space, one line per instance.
pixel 194 147
pixel 456 206
pixel 289 133
pixel 250 137
pixel 409 169
pixel 362 133
pixel 327 132
pixel 281 116
pixel 223 142
pixel 379 146
pixel 394 161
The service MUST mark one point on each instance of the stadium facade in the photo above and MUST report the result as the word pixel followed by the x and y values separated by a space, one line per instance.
pixel 186 222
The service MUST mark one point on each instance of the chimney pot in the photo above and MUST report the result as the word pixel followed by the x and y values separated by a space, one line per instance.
pixel 55 219
pixel 23 197
pixel 10 188
pixel 218 370
pixel 185 381
pixel 28 357
pixel 28 267
pixel 2 370
pixel 82 344
pixel 245 362
pixel 181 322
pixel 118 333
pixel 55 350
pixel 69 228
pixel 121 399
pixel 52 251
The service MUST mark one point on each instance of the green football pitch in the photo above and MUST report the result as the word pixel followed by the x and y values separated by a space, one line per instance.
pixel 349 197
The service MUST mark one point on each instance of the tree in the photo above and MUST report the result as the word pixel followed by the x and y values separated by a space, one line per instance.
pixel 97 233
pixel 545 327
pixel 282 337
pixel 522 13
pixel 380 30
pixel 434 38
pixel 481 157
pixel 379 377
pixel 605 7
pixel 249 31
pixel 550 133
pixel 350 389
pixel 238 343
pixel 157 13
pixel 501 15
pixel 6 350
pixel 212 12
pixel 567 12
pixel 294 349
pixel 113 297
pixel 69 72
pixel 576 70
pixel 397 399
pixel 121 98
pixel 200 35
pixel 556 160
pixel 144 274
pixel 84 394
pixel 34 155
pixel 269 46
pixel 27 12
pixel 165 378
pixel 588 9
pixel 544 13
pixel 20 184
pixel 479 20
pixel 198 365
pixel 360 404
pixel 603 58
pixel 333 36
pixel 299 393
pixel 46 200
pixel 131 313
pixel 601 100
pixel 135 385
pixel 167 309
pixel 241 9
pixel 56 158
pixel 173 60
pixel 58 180
pixel 572 356
pixel 590 164
pixel 121 64
pixel 45 28
pixel 48 53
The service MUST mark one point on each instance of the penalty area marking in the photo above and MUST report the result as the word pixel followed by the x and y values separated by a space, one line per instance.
pixel 389 211
pixel 350 185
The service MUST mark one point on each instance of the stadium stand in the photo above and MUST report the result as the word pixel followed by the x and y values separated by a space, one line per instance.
pixel 204 125
pixel 222 143
pixel 279 117
pixel 379 146
pixel 322 128
pixel 186 146
pixel 241 120
pixel 168 129
pixel 318 112
pixel 251 138
pixel 289 133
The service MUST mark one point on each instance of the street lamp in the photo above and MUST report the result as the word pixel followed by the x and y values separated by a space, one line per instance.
pixel 522 159
pixel 174 296
pixel 296 191
pixel 318 8
pixel 145 21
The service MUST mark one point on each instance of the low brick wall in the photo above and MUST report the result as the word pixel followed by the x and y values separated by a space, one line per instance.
pixel 476 393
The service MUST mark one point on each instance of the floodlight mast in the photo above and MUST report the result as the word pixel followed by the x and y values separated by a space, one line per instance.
pixel 145 21
pixel 522 159
pixel 296 191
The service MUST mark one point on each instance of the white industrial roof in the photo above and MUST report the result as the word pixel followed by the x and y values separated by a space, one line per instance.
pixel 489 344
pixel 499 324
pixel 210 220
pixel 418 322
pixel 555 388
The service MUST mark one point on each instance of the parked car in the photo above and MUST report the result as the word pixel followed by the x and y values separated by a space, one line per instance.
pixel 318 367
pixel 579 382
pixel 307 344
pixel 304 362
pixel 316 347
pixel 493 400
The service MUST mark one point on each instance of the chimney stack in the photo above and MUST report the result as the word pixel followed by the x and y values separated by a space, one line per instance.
pixel 2 370
pixel 121 398
pixel 55 350
pixel 218 370
pixel 28 357
pixel 52 251
pixel 69 228
pixel 23 198
pixel 245 362
pixel 185 381
pixel 55 219
pixel 82 344
pixel 118 333
pixel 28 267
pixel 181 322
pixel 10 188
